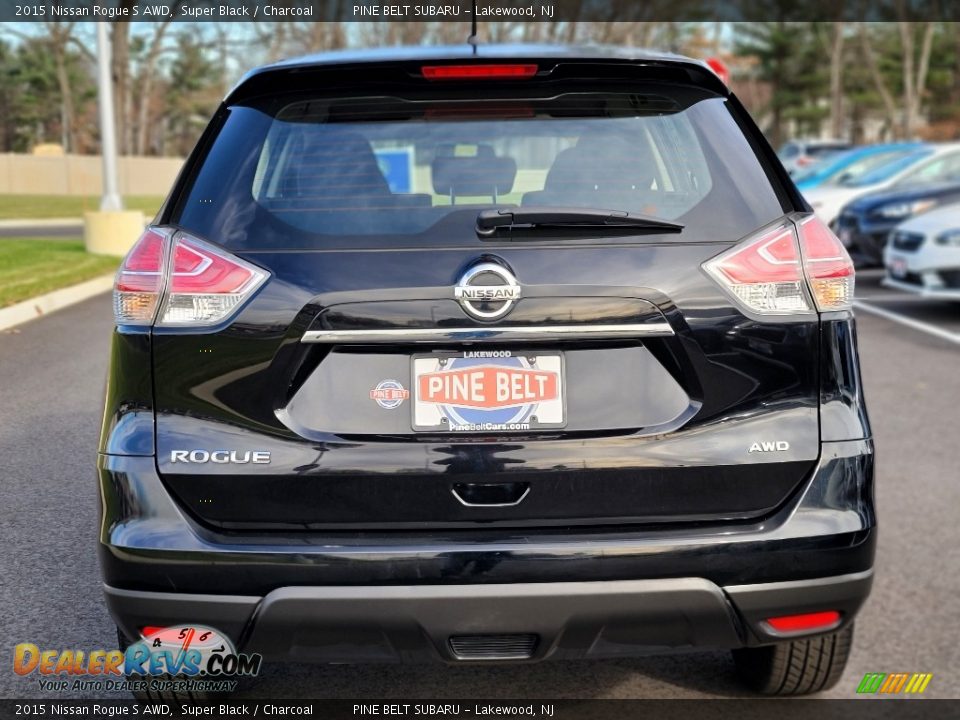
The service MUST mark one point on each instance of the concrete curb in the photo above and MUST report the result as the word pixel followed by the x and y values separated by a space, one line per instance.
pixel 46 222
pixel 51 302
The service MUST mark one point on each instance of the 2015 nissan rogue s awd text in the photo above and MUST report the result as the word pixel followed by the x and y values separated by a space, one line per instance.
pixel 513 355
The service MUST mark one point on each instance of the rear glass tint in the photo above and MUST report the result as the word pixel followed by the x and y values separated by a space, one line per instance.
pixel 332 171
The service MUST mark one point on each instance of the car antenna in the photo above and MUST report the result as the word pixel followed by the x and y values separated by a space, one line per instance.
pixel 472 38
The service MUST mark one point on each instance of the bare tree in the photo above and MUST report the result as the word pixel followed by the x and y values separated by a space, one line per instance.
pixel 58 37
pixel 271 37
pixel 835 51
pixel 873 66
pixel 146 78
pixel 915 69
pixel 914 72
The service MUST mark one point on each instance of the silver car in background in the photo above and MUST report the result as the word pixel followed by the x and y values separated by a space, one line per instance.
pixel 923 255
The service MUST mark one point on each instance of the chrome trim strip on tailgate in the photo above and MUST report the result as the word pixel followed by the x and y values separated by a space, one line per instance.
pixel 525 333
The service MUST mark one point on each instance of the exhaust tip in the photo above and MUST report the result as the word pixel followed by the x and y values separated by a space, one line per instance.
pixel 514 646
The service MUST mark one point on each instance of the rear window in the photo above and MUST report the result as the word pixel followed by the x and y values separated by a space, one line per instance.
pixel 329 171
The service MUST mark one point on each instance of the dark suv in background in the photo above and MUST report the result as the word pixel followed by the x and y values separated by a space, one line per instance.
pixel 506 356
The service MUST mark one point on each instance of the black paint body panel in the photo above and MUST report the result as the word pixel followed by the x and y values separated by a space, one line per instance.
pixel 734 451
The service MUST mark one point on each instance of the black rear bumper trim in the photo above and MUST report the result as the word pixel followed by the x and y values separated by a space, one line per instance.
pixel 569 619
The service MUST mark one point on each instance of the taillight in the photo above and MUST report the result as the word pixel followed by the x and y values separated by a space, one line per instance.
pixel 206 284
pixel 139 282
pixel 782 270
pixel 764 273
pixel 200 284
pixel 828 266
pixel 479 72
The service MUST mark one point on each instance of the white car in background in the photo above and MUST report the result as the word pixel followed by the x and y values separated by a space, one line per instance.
pixel 929 164
pixel 923 255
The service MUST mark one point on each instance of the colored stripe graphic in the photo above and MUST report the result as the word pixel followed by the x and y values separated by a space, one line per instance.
pixel 871 682
pixel 927 677
pixel 894 683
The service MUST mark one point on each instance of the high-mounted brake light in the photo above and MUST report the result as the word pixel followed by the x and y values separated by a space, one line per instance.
pixel 200 284
pixel 788 270
pixel 805 622
pixel 479 72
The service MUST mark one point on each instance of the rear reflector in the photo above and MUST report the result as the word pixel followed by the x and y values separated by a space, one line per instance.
pixel 201 284
pixel 788 270
pixel 806 622
pixel 478 72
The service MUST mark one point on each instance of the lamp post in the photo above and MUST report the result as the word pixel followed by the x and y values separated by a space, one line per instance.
pixel 112 230
pixel 111 200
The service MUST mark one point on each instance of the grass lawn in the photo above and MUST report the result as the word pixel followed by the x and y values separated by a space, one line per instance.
pixel 33 266
pixel 37 207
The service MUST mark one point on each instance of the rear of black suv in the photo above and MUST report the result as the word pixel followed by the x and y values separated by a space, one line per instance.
pixel 496 357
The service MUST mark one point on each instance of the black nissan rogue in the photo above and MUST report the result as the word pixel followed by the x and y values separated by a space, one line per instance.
pixel 493 355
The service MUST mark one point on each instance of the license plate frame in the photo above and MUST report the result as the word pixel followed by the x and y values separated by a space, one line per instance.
pixel 535 397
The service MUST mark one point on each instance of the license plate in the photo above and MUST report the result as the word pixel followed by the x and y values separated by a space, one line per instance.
pixel 488 391
pixel 898 267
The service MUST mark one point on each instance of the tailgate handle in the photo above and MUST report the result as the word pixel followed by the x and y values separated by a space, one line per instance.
pixel 491 494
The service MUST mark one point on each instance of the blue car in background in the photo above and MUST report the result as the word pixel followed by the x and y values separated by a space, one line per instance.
pixel 866 223
pixel 854 163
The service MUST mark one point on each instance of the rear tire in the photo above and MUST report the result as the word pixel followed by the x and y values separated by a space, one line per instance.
pixel 155 695
pixel 798 667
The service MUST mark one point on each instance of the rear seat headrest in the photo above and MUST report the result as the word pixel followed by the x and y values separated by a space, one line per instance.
pixel 483 174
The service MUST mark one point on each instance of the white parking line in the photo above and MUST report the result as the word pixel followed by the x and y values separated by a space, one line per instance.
pixel 909 322
pixel 905 298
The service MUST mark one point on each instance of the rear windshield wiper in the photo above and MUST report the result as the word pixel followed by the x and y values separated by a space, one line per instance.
pixel 489 221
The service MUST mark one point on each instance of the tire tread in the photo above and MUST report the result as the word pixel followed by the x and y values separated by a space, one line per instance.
pixel 795 667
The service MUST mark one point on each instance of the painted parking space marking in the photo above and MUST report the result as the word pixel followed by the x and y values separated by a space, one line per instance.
pixel 924 327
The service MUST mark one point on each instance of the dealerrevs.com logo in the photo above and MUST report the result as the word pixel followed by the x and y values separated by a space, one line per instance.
pixel 182 658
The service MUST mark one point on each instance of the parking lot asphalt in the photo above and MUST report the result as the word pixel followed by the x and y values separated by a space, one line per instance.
pixel 938 317
pixel 51 376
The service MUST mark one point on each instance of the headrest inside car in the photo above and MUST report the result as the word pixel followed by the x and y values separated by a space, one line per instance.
pixel 481 174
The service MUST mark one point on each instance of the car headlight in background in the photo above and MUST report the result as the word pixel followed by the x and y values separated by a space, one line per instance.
pixel 950 237
pixel 905 209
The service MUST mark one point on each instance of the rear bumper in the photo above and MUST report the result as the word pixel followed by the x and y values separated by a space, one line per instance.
pixel 605 591
pixel 565 620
